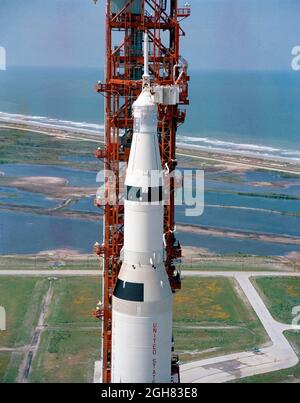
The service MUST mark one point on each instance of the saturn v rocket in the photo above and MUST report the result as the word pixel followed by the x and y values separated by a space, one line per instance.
pixel 142 299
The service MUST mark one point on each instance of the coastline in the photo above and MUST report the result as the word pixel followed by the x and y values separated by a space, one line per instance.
pixel 233 160
pixel 215 163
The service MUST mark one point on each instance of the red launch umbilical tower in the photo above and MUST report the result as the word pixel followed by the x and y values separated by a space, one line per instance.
pixel 126 22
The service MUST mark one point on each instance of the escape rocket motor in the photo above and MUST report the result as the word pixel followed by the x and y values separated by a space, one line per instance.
pixel 142 299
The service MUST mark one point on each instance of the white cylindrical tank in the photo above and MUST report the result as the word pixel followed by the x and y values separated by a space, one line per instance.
pixel 142 326
pixel 142 300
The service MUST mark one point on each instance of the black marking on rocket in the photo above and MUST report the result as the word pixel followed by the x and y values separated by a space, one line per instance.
pixel 136 194
pixel 129 291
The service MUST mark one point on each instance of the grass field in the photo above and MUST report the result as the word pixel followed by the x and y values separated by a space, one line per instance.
pixel 193 344
pixel 66 356
pixel 21 299
pixel 28 147
pixel 287 375
pixel 12 369
pixel 210 318
pixel 281 295
pixel 73 301
pixel 71 344
pixel 233 263
pixel 51 263
pixel 4 360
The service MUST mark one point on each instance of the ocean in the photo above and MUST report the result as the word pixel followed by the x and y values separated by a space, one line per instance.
pixel 253 113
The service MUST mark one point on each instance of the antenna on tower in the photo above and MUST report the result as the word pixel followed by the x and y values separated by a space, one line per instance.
pixel 146 76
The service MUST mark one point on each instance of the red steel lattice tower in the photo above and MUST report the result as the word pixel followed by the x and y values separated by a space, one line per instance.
pixel 126 22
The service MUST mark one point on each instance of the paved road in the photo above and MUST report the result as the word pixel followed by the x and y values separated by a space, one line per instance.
pixel 280 355
pixel 185 273
pixel 25 367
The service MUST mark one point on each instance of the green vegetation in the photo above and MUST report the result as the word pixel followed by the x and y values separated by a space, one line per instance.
pixel 265 195
pixel 210 317
pixel 210 301
pixel 27 147
pixel 269 195
pixel 21 299
pixel 4 360
pixel 12 370
pixel 66 356
pixel 287 375
pixel 226 177
pixel 71 344
pixel 242 264
pixel 51 263
pixel 282 295
pixel 63 261
pixel 198 344
pixel 73 301
pixel 286 175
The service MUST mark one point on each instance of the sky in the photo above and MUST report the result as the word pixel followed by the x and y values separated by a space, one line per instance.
pixel 221 34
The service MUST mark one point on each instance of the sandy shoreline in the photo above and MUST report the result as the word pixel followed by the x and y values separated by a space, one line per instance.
pixel 241 235
pixel 52 187
pixel 232 161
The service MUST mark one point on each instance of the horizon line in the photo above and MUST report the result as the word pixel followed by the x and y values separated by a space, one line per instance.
pixel 232 70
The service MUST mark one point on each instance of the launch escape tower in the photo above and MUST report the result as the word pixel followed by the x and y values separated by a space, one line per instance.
pixel 126 22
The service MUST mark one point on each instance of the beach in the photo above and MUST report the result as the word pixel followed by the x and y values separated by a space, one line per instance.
pixel 233 159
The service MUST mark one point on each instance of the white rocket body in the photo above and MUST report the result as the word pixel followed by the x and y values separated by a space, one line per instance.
pixel 142 300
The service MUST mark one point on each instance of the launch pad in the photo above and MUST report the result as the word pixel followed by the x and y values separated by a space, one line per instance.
pixel 126 24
